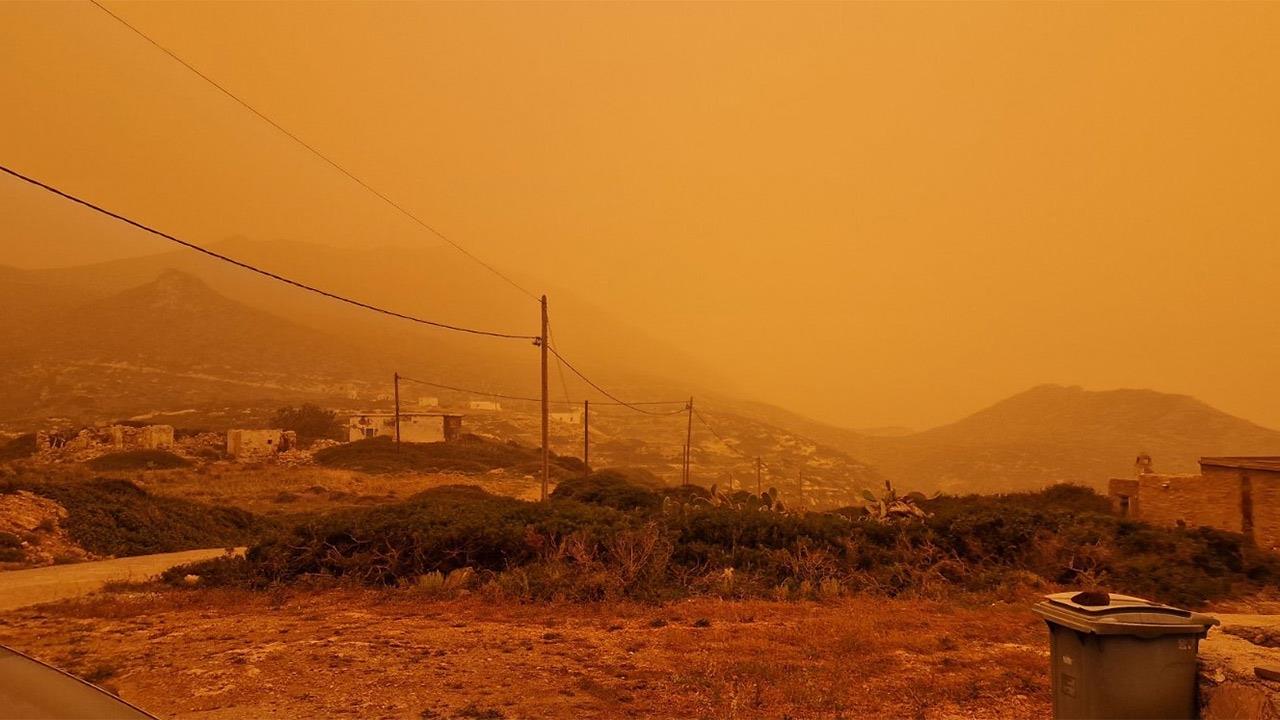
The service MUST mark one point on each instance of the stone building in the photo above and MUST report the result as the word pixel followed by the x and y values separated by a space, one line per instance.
pixel 1238 494
pixel 259 444
pixel 147 437
pixel 92 442
pixel 414 427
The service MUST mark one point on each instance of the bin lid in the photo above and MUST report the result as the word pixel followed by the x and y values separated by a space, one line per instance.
pixel 1122 615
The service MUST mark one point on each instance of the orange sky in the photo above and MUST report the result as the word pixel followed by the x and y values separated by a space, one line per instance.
pixel 874 214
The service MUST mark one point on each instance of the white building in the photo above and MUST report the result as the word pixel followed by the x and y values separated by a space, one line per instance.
pixel 485 405
pixel 571 417
pixel 414 427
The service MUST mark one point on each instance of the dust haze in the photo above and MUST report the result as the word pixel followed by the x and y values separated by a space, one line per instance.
pixel 876 215
pixel 492 361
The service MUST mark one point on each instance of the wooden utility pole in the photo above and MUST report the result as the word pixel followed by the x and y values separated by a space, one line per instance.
pixel 758 489
pixel 397 385
pixel 546 451
pixel 688 443
pixel 586 437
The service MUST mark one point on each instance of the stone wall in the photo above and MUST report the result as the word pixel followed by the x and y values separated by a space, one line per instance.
pixel 1216 498
pixel 1266 509
pixel 89 443
pixel 1264 495
pixel 1191 500
pixel 251 445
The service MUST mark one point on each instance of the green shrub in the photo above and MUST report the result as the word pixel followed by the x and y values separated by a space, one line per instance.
pixel 310 422
pixel 138 460
pixel 442 529
pixel 611 488
pixel 116 517
pixel 605 537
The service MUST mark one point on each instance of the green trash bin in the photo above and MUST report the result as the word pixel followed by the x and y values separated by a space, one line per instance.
pixel 1115 656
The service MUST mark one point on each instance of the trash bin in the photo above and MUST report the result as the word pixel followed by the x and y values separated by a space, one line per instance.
pixel 1115 656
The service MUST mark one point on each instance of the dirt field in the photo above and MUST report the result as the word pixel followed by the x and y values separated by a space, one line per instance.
pixel 279 489
pixel 225 654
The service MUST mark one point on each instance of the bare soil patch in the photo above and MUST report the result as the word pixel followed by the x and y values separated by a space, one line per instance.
pixel 224 654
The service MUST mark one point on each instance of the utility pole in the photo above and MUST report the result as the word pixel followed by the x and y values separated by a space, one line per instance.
pixel 546 451
pixel 688 443
pixel 397 384
pixel 586 437
pixel 758 489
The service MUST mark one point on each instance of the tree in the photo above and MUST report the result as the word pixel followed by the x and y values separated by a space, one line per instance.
pixel 310 422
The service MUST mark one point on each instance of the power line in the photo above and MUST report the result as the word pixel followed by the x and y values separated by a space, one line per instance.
pixel 258 270
pixel 735 451
pixel 404 211
pixel 615 398
pixel 561 361
pixel 551 337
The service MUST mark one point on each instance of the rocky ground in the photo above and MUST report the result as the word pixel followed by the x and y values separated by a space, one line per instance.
pixel 31 534
pixel 1240 668
pixel 227 654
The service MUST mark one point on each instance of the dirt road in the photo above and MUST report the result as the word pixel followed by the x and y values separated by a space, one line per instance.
pixel 20 588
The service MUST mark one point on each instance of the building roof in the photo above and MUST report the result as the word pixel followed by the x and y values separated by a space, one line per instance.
pixel 1257 462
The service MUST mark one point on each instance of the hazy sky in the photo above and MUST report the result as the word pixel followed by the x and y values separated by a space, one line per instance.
pixel 874 214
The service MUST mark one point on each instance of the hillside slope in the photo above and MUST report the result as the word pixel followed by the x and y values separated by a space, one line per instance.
pixel 169 342
pixel 431 282
pixel 175 344
pixel 1050 434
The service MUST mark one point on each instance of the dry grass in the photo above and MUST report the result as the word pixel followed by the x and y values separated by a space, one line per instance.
pixel 279 490
pixel 400 654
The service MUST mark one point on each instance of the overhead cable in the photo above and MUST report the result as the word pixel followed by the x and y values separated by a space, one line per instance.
pixel 258 270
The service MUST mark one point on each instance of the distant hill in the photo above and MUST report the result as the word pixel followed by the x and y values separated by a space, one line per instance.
pixel 176 331
pixel 432 282
pixel 1050 434
pixel 84 349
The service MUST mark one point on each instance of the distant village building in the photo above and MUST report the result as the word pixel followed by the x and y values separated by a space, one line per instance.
pixel 485 405
pixel 414 427
pixel 428 402
pixel 259 444
pixel 573 417
pixel 1237 494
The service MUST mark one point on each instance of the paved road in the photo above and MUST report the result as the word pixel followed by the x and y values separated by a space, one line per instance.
pixel 20 588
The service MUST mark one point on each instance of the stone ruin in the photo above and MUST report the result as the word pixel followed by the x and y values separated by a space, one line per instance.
pixel 67 446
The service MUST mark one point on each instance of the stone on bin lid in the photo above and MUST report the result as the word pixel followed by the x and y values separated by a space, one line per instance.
pixel 1123 615
pixel 1115 603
